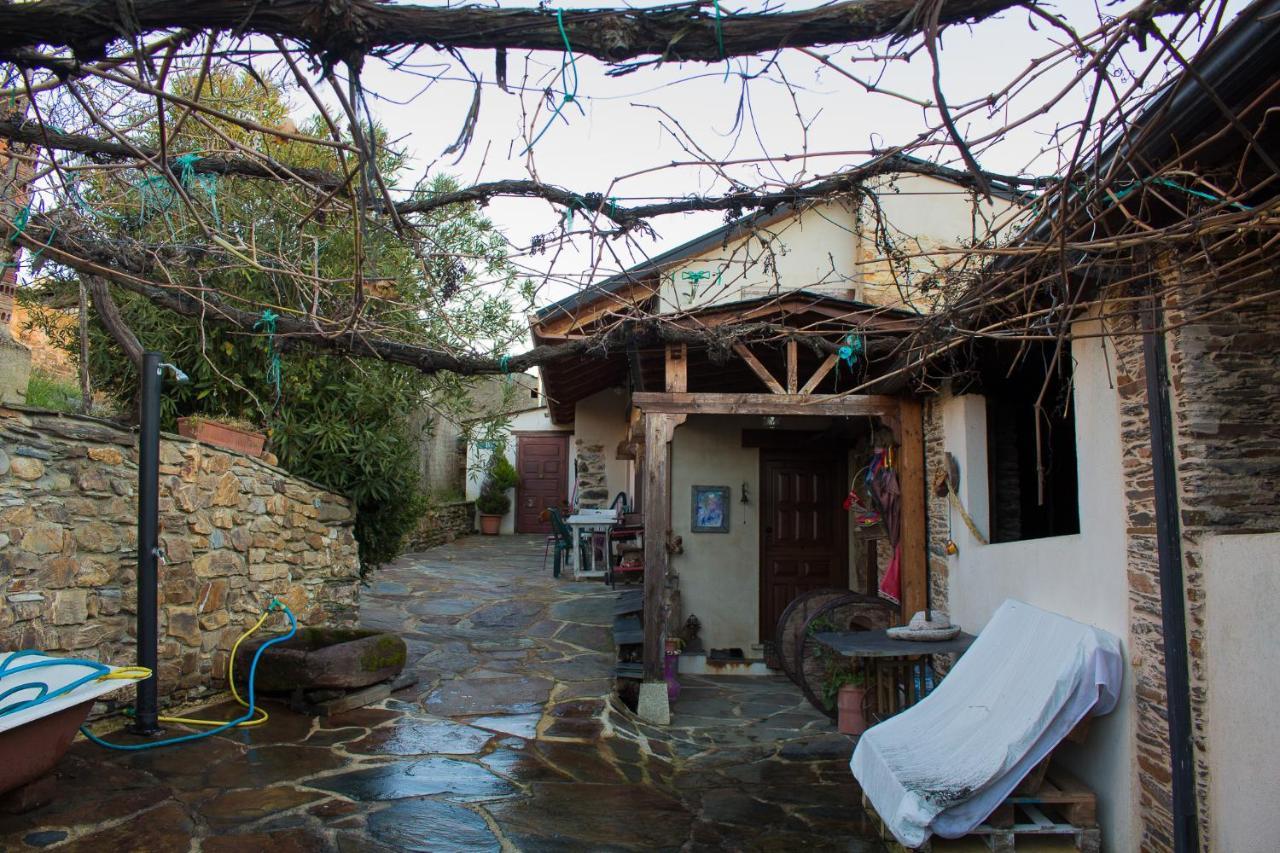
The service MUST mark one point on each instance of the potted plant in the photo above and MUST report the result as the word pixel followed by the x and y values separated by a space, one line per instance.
pixel 846 689
pixel 228 433
pixel 493 502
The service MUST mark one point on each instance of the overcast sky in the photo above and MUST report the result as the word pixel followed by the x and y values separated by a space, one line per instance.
pixel 615 127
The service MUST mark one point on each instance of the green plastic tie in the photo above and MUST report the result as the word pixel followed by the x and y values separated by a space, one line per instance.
pixel 570 93
pixel 274 372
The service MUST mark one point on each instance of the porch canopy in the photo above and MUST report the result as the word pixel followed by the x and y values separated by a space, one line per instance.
pixel 799 353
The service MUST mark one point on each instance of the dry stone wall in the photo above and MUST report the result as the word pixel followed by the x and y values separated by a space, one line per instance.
pixel 443 523
pixel 235 532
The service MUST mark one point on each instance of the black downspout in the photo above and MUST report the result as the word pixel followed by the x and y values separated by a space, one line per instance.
pixel 1186 830
pixel 146 711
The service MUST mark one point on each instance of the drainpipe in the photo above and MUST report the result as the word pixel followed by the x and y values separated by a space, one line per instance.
pixel 1186 831
pixel 146 710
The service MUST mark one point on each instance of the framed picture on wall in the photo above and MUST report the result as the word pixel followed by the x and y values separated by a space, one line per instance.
pixel 710 509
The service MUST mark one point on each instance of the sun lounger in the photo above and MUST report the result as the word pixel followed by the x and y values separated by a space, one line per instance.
pixel 945 764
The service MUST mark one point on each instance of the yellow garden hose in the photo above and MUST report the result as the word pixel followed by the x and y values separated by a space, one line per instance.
pixel 231 673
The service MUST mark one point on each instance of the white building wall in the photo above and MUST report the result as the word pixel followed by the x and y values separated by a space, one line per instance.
pixel 1083 576
pixel 1242 651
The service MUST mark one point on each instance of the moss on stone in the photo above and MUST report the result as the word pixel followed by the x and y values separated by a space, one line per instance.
pixel 389 651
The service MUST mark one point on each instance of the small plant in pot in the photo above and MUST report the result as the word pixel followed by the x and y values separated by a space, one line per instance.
pixel 493 502
pixel 845 689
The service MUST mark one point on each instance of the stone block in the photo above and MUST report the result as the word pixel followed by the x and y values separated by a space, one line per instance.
pixel 183 624
pixel 97 536
pixel 227 491
pixel 26 468
pixel 69 607
pixel 218 564
pixel 106 455
pixel 59 572
pixel 44 538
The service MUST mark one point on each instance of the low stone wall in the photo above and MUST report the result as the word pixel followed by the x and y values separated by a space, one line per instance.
pixel 234 530
pixel 443 522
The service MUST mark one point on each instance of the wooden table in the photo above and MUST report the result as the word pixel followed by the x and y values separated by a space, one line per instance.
pixel 590 521
pixel 898 671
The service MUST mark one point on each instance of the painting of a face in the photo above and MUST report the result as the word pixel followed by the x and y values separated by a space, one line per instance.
pixel 710 509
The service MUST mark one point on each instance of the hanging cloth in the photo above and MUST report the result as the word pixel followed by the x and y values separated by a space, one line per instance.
pixel 883 488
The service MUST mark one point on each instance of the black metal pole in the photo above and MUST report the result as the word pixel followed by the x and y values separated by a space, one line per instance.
pixel 146 720
pixel 1186 830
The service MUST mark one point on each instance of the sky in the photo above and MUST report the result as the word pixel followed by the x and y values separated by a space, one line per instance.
pixel 622 134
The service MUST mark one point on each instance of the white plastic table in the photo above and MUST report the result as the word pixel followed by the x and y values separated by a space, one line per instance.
pixel 590 522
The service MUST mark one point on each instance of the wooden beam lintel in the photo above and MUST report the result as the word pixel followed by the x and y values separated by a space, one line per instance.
pixel 824 405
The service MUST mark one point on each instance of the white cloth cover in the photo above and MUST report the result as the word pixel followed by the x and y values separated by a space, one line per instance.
pixel 943 765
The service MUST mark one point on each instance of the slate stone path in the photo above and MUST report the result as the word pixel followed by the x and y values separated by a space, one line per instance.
pixel 510 741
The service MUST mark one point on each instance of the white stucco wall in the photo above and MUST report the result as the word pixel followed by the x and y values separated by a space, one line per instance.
pixel 815 250
pixel 1083 576
pixel 1242 651
pixel 533 420
pixel 719 572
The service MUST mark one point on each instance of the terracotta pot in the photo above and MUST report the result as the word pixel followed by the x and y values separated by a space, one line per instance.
pixel 222 435
pixel 490 524
pixel 849 703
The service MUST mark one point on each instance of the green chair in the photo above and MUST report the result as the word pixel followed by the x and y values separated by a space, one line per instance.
pixel 561 537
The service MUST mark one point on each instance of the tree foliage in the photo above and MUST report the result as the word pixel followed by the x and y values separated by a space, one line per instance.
pixel 339 421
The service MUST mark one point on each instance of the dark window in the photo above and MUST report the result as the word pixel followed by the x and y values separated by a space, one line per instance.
pixel 1032 473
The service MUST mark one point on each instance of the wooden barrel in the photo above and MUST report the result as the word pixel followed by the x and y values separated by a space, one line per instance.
pixel 790 629
pixel 813 662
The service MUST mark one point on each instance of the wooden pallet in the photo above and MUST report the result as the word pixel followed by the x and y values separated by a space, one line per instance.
pixel 1062 806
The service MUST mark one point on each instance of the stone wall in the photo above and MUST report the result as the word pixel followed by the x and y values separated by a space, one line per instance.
pixel 1225 373
pixel 938 508
pixel 593 484
pixel 235 532
pixel 443 523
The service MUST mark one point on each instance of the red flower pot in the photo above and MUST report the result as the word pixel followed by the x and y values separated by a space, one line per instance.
pixel 849 702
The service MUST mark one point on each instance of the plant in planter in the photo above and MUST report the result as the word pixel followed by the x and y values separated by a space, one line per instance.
pixel 494 502
pixel 228 433
pixel 846 689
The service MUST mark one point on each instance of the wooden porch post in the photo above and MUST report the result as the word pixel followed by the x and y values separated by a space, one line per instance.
pixel 911 482
pixel 658 431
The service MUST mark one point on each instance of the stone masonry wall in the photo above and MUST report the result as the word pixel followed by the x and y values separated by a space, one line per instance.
pixel 938 509
pixel 443 523
pixel 1225 373
pixel 593 488
pixel 235 532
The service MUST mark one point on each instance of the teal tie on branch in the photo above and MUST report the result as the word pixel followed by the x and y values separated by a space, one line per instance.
pixel 207 181
pixel 567 64
pixel 267 323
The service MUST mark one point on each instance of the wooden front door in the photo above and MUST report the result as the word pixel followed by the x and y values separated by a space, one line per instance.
pixel 542 460
pixel 804 528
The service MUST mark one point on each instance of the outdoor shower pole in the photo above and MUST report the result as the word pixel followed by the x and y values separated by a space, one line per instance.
pixel 146 715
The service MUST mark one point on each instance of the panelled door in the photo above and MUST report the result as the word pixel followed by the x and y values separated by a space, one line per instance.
pixel 542 459
pixel 804 528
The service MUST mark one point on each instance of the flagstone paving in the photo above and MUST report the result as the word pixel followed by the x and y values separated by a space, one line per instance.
pixel 510 740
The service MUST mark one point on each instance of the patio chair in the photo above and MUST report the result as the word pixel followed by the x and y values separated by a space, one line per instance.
pixel 561 538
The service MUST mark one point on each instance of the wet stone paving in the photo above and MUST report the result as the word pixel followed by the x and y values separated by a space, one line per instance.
pixel 510 740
